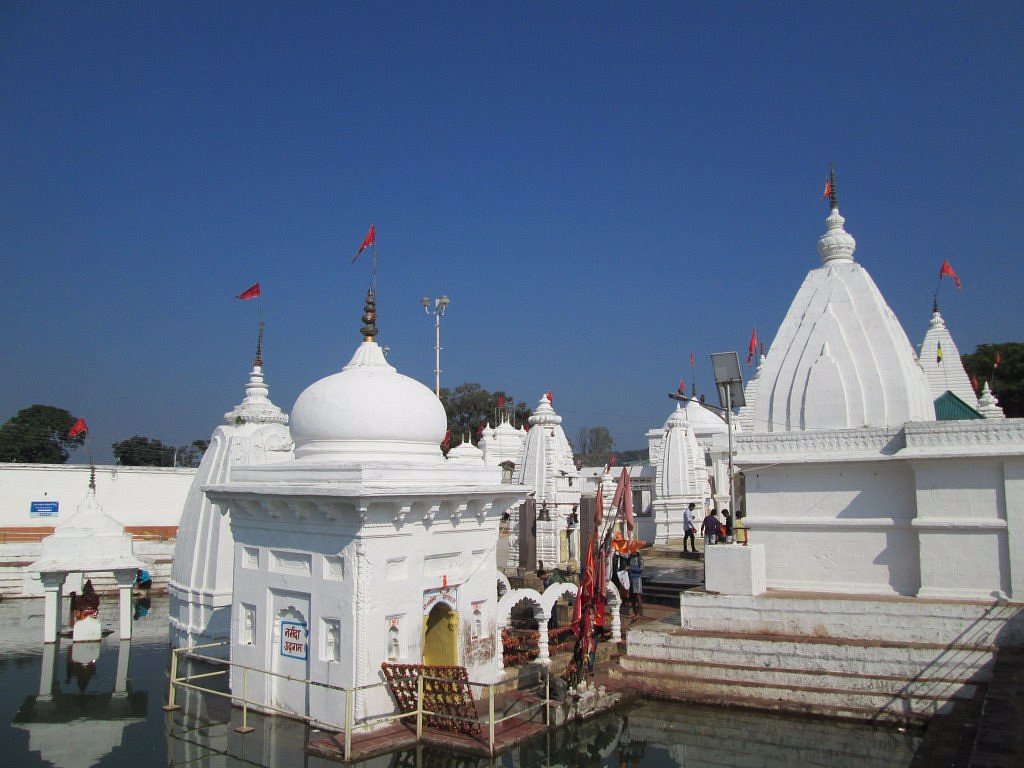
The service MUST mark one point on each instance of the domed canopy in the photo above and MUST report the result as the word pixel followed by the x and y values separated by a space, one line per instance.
pixel 368 412
pixel 702 421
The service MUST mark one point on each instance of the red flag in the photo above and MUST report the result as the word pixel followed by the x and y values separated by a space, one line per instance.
pixel 752 347
pixel 828 188
pixel 370 239
pixel 550 397
pixel 480 431
pixel 612 460
pixel 447 439
pixel 974 384
pixel 250 293
pixel 77 428
pixel 997 361
pixel 599 507
pixel 623 498
pixel 946 270
pixel 501 401
pixel 585 594
pixel 692 360
pixel 682 387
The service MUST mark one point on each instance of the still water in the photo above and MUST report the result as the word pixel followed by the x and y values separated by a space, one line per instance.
pixel 56 710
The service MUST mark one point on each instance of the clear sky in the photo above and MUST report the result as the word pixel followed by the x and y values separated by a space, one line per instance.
pixel 601 189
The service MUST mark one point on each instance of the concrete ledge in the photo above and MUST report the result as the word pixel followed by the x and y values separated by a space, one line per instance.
pixel 733 569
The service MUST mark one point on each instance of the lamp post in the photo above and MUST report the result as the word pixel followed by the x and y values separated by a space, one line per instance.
pixel 440 304
pixel 729 381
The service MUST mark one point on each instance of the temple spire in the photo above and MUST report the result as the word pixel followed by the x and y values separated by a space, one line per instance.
pixel 369 329
pixel 258 362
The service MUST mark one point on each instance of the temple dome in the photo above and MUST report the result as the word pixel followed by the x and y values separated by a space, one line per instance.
pixel 368 411
pixel 701 420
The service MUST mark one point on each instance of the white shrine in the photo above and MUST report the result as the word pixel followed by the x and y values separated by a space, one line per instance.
pixel 367 547
pixel 851 484
pixel 886 556
pixel 941 363
pixel 547 468
pixel 254 432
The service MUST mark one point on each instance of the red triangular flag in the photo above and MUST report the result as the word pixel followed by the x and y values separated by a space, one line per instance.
pixel 250 293
pixel 550 397
pixel 370 239
pixel 692 360
pixel 828 188
pixel 947 270
pixel 974 384
pixel 752 347
pixel 501 401
pixel 447 439
pixel 682 387
pixel 77 428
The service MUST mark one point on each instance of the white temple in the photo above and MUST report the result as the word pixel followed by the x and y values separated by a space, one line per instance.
pixel 851 484
pixel 548 469
pixel 941 363
pixel 368 546
pixel 254 432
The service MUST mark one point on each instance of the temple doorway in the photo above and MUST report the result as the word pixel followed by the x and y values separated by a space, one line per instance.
pixel 440 637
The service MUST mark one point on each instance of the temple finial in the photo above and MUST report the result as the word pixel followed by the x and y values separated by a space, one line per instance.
pixel 369 329
pixel 258 362
pixel 833 198
pixel 92 477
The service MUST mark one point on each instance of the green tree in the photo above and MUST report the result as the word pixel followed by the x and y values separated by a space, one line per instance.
pixel 191 455
pixel 593 446
pixel 1007 381
pixel 39 435
pixel 140 451
pixel 471 406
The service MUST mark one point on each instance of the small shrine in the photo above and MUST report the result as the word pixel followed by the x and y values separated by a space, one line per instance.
pixel 89 541
pixel 367 547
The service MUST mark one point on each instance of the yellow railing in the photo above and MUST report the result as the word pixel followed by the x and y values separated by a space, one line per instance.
pixel 350 726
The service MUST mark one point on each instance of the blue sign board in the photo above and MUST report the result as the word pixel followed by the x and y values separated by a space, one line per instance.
pixel 44 508
pixel 293 640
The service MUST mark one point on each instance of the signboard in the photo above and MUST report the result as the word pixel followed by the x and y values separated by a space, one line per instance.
pixel 43 508
pixel 447 595
pixel 294 640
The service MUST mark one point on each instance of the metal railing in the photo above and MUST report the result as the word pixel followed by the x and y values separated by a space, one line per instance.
pixel 350 725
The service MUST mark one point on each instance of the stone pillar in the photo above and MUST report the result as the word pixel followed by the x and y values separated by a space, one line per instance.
pixel 616 618
pixel 125 577
pixel 121 680
pixel 46 672
pixel 53 590
pixel 543 657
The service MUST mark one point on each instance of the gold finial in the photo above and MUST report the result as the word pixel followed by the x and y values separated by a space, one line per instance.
pixel 369 329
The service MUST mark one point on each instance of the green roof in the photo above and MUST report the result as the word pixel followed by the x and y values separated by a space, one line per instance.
pixel 949 407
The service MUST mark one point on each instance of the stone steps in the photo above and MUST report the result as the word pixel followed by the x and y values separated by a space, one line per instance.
pixel 772 652
pixel 848 678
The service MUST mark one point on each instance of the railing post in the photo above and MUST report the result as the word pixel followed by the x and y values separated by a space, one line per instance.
pixel 349 709
pixel 547 697
pixel 170 706
pixel 490 716
pixel 419 707
pixel 244 728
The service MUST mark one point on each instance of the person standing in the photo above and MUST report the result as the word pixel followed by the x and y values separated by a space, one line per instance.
pixel 726 527
pixel 636 582
pixel 689 529
pixel 709 528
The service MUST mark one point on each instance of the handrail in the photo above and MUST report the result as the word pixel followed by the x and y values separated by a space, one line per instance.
pixel 351 725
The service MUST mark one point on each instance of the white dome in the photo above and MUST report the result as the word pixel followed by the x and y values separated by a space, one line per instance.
pixel 368 411
pixel 702 421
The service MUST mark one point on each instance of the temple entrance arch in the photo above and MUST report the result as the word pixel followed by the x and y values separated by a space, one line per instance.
pixel 441 637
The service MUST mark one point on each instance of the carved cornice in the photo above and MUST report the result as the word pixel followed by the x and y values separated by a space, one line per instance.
pixel 818 445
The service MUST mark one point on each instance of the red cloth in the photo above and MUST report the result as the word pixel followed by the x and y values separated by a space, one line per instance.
pixel 946 270
pixel 370 239
pixel 77 428
pixel 250 293
pixel 752 348
pixel 623 498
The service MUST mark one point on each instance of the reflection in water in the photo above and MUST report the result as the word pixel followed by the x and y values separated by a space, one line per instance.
pixel 108 712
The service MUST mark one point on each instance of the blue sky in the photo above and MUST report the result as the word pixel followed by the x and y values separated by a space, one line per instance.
pixel 601 189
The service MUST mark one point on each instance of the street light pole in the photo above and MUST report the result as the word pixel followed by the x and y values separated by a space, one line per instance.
pixel 440 304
